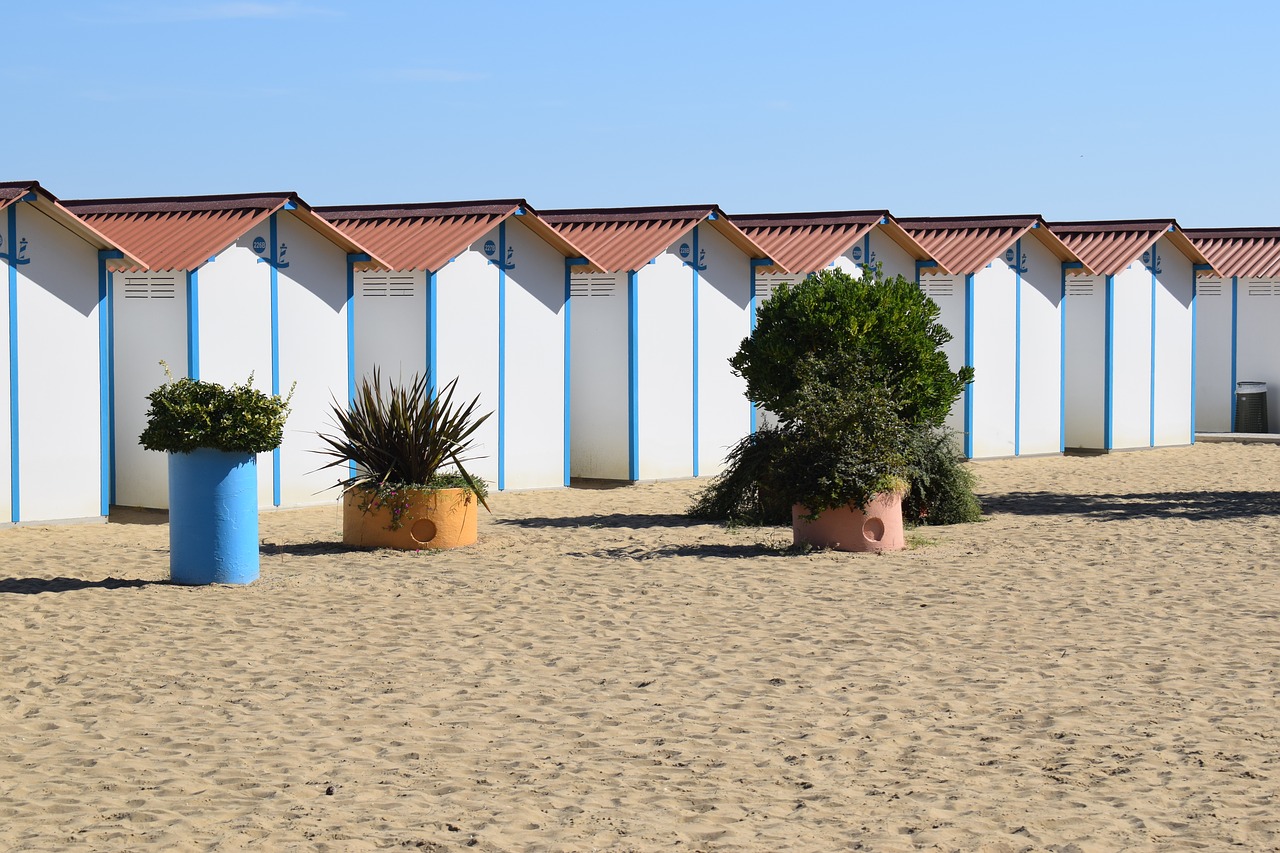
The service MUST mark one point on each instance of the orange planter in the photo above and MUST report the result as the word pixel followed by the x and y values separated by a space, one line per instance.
pixel 442 518
pixel 847 528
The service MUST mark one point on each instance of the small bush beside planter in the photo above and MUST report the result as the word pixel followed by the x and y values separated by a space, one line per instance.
pixel 213 434
pixel 399 440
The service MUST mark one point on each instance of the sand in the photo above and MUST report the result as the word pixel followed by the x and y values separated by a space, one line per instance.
pixel 1095 667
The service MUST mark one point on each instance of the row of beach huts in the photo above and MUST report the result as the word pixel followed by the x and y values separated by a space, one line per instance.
pixel 600 337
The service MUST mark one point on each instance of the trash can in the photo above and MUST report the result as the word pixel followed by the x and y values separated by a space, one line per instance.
pixel 1251 407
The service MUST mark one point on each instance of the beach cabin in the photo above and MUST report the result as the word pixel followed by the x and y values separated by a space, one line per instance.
pixel 228 286
pixel 473 290
pixel 1237 315
pixel 651 393
pixel 52 403
pixel 1128 335
pixel 806 243
pixel 998 282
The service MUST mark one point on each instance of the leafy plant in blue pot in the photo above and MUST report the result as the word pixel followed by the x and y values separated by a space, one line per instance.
pixel 213 433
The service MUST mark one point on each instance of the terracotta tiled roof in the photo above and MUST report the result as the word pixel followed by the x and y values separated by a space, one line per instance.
pixel 1243 252
pixel 624 239
pixel 808 242
pixel 427 236
pixel 182 233
pixel 1107 247
pixel 965 244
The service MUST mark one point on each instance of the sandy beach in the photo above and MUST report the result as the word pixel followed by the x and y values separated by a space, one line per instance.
pixel 1094 667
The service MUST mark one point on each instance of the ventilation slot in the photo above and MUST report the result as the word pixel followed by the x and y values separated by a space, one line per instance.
pixel 386 285
pixel 594 285
pixel 1207 287
pixel 1263 288
pixel 767 284
pixel 1086 287
pixel 938 288
pixel 150 287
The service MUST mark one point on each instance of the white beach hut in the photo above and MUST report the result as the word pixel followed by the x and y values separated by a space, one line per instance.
pixel 1237 314
pixel 998 282
pixel 478 291
pixel 229 286
pixel 1128 332
pixel 651 393
pixel 52 403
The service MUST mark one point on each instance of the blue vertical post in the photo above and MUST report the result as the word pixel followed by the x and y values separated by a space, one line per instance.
pixel 1194 323
pixel 1062 362
pixel 433 342
pixel 275 347
pixel 105 378
pixel 502 355
pixel 569 264
pixel 1017 348
pixel 968 360
pixel 1109 365
pixel 1235 325
pixel 633 377
pixel 15 457
pixel 193 324
pixel 1155 264
pixel 696 390
pixel 352 260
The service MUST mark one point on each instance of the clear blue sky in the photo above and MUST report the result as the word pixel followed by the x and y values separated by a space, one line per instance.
pixel 1076 110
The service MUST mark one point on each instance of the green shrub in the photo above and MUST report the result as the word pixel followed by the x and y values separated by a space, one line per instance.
pixel 748 491
pixel 188 414
pixel 941 485
pixel 401 435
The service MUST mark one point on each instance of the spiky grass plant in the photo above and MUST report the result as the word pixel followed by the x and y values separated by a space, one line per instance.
pixel 401 435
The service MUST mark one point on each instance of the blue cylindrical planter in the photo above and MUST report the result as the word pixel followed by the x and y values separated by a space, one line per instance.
pixel 213 517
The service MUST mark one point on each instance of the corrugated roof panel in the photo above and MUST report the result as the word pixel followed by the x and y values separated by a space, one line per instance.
pixel 625 239
pixel 182 233
pixel 808 242
pixel 11 191
pixel 428 236
pixel 1109 247
pixel 49 204
pixel 1243 252
pixel 962 245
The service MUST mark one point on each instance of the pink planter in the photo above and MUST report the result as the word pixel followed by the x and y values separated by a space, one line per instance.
pixel 847 528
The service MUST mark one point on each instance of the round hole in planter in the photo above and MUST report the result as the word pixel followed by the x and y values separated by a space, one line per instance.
pixel 873 529
pixel 423 530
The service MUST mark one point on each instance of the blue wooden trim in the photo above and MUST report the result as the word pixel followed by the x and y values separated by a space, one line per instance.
pixel 193 324
pixel 502 355
pixel 696 388
pixel 866 249
pixel 1235 326
pixel 1194 312
pixel 275 347
pixel 15 492
pixel 433 339
pixel 1155 283
pixel 751 323
pixel 1109 362
pixel 968 360
pixel 1018 268
pixel 569 264
pixel 1061 363
pixel 351 339
pixel 633 377
pixel 111 372
pixel 104 385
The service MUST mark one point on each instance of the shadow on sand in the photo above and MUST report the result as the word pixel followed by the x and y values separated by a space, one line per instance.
pixel 35 586
pixel 618 520
pixel 1194 506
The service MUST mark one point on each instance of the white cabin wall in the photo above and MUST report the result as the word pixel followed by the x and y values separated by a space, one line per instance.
pixel 313 354
pixel 1215 395
pixel 1040 356
pixel 665 325
pixel 1258 318
pixel 993 361
pixel 1085 369
pixel 1173 359
pixel 390 324
pixel 59 390
pixel 1131 359
pixel 724 320
pixel 535 427
pixel 599 407
pixel 150 324
pixel 467 344
pixel 893 259
pixel 947 292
